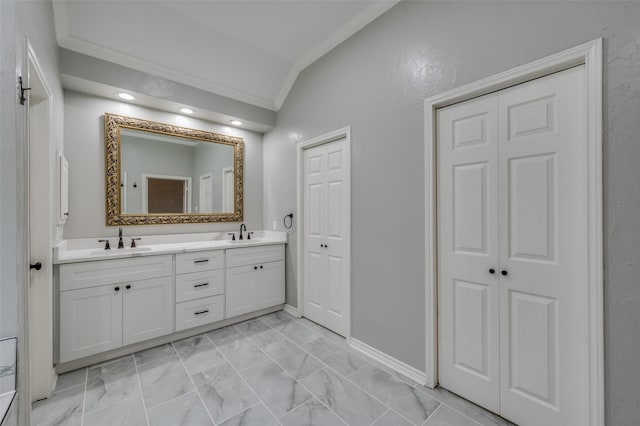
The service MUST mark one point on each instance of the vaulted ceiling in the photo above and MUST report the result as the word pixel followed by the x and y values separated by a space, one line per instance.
pixel 251 51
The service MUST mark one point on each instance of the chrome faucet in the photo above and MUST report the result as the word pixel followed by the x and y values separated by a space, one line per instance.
pixel 245 228
pixel 120 242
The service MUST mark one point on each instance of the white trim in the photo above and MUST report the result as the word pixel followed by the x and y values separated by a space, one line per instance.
pixel 589 54
pixel 291 310
pixel 343 133
pixel 389 361
pixel 145 190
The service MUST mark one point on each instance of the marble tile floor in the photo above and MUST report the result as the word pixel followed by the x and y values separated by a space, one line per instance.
pixel 272 370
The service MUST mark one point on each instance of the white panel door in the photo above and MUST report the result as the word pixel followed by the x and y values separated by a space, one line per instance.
pixel 543 180
pixel 325 272
pixel 90 321
pixel 468 246
pixel 511 199
pixel 147 309
pixel 205 198
pixel 242 291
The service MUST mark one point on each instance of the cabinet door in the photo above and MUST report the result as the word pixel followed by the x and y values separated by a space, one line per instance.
pixel 148 309
pixel 242 290
pixel 90 321
pixel 271 290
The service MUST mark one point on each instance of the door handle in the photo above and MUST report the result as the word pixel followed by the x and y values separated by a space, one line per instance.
pixel 37 266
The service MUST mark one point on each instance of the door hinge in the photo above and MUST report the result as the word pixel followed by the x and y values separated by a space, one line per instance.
pixel 21 96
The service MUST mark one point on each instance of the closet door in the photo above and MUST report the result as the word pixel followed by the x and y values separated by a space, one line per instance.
pixel 468 250
pixel 325 197
pixel 543 221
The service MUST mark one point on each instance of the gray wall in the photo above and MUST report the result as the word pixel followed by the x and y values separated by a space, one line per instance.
pixel 32 19
pixel 84 148
pixel 376 82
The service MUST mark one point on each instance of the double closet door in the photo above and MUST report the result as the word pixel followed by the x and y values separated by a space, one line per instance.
pixel 325 246
pixel 512 253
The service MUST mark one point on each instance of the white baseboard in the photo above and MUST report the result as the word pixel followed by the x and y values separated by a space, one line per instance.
pixel 389 361
pixel 291 310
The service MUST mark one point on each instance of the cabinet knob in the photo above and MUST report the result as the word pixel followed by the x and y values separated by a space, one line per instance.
pixel 128 286
pixel 504 272
pixel 492 271
pixel 117 289
pixel 255 267
pixel 261 266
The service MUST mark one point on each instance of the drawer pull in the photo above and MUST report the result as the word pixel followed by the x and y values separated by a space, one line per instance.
pixel 201 285
pixel 206 311
pixel 201 261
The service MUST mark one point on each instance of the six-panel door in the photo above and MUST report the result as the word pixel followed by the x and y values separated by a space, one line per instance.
pixel 325 246
pixel 512 264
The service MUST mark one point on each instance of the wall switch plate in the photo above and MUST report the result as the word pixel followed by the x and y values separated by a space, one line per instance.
pixel 275 225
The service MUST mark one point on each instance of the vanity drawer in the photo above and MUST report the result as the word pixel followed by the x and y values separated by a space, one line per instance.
pixel 199 261
pixel 102 272
pixel 199 312
pixel 252 255
pixel 199 284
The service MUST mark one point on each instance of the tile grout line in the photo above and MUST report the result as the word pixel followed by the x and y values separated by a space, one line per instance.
pixel 380 416
pixel 245 382
pixel 451 407
pixel 354 384
pixel 433 414
pixel 286 338
pixel 144 404
pixel 84 395
pixel 195 388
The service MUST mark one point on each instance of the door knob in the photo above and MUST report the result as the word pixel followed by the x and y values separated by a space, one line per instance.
pixel 37 266
pixel 504 272
pixel 492 271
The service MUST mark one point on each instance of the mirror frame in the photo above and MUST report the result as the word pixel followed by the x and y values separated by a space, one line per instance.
pixel 112 125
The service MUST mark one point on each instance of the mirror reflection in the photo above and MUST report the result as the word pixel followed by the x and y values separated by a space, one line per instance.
pixel 163 174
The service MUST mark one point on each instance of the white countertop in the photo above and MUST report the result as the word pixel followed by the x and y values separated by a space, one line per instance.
pixel 89 249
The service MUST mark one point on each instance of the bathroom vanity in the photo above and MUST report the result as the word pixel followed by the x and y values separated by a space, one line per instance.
pixel 112 301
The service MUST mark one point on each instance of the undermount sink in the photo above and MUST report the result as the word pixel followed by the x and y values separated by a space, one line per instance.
pixel 103 252
pixel 252 240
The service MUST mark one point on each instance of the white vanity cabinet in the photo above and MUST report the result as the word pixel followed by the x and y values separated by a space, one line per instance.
pixel 199 288
pixel 106 304
pixel 104 308
pixel 255 279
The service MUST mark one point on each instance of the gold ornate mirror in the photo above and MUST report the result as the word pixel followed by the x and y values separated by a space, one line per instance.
pixel 159 173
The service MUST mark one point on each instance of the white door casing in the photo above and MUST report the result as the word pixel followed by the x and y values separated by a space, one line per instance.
pixel 589 54
pixel 336 297
pixel 540 151
pixel 325 197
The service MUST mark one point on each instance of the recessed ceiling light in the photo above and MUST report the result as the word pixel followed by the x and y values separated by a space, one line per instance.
pixel 185 110
pixel 126 96
pixel 236 122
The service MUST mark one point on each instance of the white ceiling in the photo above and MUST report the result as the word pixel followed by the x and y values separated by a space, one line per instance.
pixel 251 51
